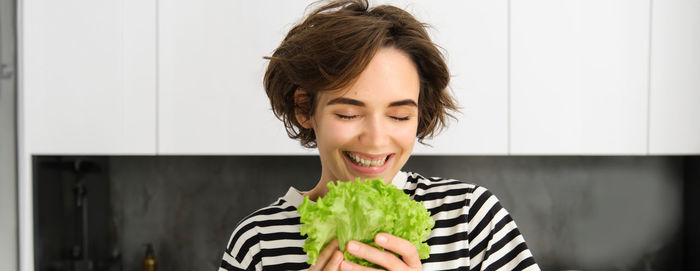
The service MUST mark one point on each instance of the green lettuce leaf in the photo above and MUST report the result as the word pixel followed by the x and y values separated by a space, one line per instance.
pixel 358 211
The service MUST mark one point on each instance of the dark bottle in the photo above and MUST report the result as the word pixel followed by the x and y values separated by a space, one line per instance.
pixel 149 262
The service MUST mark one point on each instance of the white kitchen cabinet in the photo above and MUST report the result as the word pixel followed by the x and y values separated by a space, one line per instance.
pixel 211 99
pixel 88 77
pixel 211 66
pixel 183 77
pixel 474 35
pixel 674 116
pixel 579 77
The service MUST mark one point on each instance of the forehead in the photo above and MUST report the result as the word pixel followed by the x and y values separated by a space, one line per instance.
pixel 391 75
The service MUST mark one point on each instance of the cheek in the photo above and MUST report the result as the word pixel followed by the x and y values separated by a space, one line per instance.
pixel 405 135
pixel 333 133
pixel 408 137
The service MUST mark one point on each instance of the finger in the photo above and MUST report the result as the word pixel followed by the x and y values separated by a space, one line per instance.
pixel 334 263
pixel 374 255
pixel 347 266
pixel 408 251
pixel 325 255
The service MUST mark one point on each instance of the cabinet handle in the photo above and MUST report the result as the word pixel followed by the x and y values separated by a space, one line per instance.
pixel 5 74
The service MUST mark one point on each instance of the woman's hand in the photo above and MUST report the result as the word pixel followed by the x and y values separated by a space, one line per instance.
pixel 329 258
pixel 388 260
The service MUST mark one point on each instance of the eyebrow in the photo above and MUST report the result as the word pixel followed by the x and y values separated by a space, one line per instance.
pixel 342 100
pixel 404 102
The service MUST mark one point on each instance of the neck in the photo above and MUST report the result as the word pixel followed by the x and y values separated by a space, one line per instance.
pixel 320 190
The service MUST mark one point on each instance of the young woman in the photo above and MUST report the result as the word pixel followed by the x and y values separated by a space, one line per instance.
pixel 361 84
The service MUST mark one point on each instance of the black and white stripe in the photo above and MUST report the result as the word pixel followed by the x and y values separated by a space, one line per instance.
pixel 472 231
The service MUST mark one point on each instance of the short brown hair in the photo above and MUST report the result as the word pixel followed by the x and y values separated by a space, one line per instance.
pixel 334 44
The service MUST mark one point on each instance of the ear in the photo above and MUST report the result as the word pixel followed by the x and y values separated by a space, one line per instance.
pixel 302 108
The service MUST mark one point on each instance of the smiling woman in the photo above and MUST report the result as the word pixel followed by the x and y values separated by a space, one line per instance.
pixel 367 129
pixel 362 84
pixel 333 46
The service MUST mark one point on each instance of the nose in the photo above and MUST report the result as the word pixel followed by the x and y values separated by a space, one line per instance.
pixel 375 132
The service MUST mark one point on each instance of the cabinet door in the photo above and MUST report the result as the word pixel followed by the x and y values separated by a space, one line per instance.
pixel 579 76
pixel 211 66
pixel 88 76
pixel 474 35
pixel 674 116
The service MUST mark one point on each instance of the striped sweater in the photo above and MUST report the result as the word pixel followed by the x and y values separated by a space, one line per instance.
pixel 472 231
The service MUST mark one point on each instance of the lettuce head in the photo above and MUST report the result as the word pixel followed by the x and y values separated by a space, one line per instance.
pixel 358 211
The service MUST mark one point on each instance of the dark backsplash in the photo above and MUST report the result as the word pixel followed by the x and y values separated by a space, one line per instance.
pixel 588 213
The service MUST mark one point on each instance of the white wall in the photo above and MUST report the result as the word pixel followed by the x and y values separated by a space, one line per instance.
pixel 8 143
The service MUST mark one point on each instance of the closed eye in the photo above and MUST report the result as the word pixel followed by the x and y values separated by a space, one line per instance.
pixel 400 118
pixel 346 117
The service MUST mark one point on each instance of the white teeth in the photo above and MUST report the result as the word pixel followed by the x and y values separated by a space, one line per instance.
pixel 365 163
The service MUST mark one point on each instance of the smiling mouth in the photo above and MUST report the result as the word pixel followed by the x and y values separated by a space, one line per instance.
pixel 357 160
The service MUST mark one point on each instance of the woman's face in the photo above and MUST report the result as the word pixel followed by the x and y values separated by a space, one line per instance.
pixel 368 129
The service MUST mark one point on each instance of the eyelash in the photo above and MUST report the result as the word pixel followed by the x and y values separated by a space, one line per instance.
pixel 345 117
pixel 354 116
pixel 400 118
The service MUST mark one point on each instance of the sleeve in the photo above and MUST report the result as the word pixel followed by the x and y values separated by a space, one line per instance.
pixel 495 243
pixel 243 249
